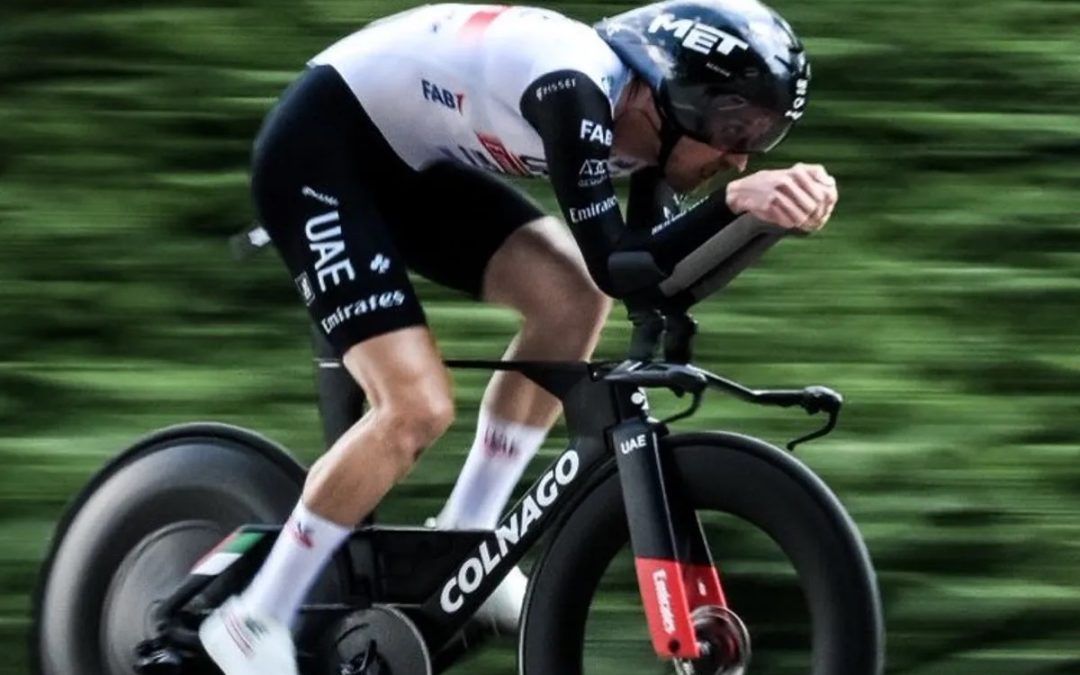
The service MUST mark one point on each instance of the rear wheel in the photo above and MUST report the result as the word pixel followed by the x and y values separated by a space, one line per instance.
pixel 793 566
pixel 135 532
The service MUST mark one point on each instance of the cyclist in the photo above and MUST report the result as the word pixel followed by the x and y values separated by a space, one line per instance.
pixel 383 156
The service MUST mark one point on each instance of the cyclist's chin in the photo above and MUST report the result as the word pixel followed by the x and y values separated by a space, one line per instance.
pixel 699 180
pixel 699 186
pixel 684 182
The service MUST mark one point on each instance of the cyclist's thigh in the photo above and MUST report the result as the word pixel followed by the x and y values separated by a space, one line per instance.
pixel 537 264
pixel 402 367
pixel 312 188
pixel 461 218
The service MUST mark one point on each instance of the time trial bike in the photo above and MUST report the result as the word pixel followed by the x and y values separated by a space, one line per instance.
pixel 182 519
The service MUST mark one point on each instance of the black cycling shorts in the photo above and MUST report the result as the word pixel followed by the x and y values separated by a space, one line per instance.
pixel 349 216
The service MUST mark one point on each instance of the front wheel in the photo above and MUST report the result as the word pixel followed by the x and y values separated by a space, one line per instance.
pixel 813 602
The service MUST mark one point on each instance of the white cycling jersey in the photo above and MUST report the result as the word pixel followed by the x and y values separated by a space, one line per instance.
pixel 527 92
pixel 446 81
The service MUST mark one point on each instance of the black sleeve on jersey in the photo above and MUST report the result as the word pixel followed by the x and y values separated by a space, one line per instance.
pixel 573 117
pixel 651 200
pixel 674 238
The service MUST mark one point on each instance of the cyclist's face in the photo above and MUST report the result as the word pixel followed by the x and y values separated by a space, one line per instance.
pixel 692 164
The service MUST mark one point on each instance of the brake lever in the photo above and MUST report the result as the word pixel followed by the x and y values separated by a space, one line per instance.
pixel 698 394
pixel 679 379
pixel 815 399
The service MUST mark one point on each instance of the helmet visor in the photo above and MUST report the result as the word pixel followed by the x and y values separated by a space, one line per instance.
pixel 728 122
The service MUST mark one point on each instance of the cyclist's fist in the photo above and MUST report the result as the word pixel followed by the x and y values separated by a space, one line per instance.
pixel 802 197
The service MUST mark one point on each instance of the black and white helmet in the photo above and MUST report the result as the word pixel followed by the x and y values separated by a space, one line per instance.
pixel 730 73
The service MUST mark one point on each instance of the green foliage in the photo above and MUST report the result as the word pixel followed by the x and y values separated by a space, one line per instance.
pixel 942 299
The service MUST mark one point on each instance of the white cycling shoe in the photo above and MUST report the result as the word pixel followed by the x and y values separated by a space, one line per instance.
pixel 501 612
pixel 242 642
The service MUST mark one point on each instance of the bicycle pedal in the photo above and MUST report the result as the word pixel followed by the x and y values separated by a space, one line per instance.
pixel 153 657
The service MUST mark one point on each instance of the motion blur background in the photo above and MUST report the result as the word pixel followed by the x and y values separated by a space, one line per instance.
pixel 942 299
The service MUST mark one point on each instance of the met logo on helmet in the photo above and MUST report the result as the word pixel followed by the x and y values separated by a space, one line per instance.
pixel 698 36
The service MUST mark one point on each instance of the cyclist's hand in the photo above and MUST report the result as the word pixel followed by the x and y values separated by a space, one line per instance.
pixel 802 197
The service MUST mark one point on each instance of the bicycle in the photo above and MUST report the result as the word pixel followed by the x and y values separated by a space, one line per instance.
pixel 140 551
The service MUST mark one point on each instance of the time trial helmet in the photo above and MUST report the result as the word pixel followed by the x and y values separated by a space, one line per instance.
pixel 730 73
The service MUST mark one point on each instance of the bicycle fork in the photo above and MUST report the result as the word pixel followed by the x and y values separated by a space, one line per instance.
pixel 675 570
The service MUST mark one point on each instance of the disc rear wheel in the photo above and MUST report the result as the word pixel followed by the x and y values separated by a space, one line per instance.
pixel 133 535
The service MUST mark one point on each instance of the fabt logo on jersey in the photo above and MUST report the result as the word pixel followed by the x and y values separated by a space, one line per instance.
pixel 698 36
pixel 447 98
pixel 595 133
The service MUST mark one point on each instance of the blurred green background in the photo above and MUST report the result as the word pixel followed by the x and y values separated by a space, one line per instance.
pixel 942 299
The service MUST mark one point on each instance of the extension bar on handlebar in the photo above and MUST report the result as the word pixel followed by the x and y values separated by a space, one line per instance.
pixel 705 271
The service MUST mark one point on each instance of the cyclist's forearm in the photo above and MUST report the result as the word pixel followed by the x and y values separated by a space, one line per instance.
pixel 671 240
pixel 650 200
pixel 641 259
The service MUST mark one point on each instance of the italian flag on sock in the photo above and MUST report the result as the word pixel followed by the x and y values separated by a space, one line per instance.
pixel 227 552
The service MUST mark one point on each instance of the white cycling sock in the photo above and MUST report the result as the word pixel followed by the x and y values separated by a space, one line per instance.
pixel 305 545
pixel 498 457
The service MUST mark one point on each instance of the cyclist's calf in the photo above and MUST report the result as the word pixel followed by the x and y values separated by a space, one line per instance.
pixel 408 389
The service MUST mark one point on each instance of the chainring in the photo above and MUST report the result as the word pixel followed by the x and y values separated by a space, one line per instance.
pixel 377 641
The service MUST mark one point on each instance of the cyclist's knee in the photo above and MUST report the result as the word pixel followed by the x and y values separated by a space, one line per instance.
pixel 580 307
pixel 593 304
pixel 412 420
pixel 430 414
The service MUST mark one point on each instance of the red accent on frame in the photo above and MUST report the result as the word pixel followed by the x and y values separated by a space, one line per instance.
pixel 703 586
pixel 667 607
pixel 476 24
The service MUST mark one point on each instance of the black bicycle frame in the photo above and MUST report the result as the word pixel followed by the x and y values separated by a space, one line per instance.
pixel 439 578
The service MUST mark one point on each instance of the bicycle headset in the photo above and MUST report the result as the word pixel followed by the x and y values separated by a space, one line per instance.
pixel 729 73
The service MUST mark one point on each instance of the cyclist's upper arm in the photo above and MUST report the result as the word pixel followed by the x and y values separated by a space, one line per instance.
pixel 573 116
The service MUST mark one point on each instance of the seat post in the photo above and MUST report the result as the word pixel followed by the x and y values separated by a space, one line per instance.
pixel 341 400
